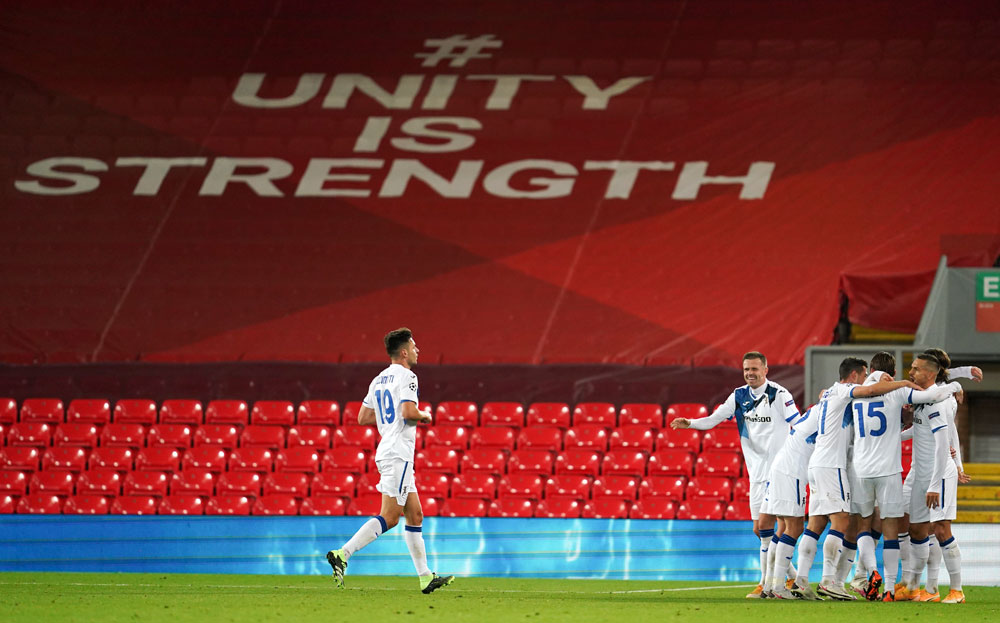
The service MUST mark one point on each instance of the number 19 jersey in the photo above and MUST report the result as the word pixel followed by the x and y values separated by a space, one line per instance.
pixel 386 395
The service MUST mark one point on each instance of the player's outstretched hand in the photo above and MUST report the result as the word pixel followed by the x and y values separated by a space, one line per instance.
pixel 425 416
pixel 977 374
pixel 681 422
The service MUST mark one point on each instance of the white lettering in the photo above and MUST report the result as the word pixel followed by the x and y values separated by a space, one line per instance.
pixel 693 176
pixel 595 98
pixel 155 172
pixel 318 173
pixel 371 136
pixel 223 172
pixel 47 168
pixel 439 92
pixel 421 127
pixel 247 89
pixel 625 173
pixel 497 182
pixel 458 187
pixel 991 287
pixel 344 86
pixel 505 88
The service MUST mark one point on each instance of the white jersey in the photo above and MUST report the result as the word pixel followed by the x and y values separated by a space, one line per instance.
pixel 835 421
pixel 793 457
pixel 386 395
pixel 762 416
pixel 931 442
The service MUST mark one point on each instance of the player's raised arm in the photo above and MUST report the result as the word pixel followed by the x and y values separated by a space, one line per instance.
pixel 725 411
pixel 935 393
pixel 882 387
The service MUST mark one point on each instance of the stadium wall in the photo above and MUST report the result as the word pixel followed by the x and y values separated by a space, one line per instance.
pixel 576 548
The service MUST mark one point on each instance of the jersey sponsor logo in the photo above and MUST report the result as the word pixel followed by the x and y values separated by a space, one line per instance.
pixel 756 418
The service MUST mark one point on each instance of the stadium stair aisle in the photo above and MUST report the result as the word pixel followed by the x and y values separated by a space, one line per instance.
pixel 979 500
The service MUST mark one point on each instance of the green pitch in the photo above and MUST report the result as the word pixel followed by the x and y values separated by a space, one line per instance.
pixel 154 598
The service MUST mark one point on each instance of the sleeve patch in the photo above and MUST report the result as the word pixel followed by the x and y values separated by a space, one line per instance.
pixel 413 386
pixel 933 415
pixel 790 402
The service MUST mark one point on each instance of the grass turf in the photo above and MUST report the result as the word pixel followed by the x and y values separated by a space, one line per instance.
pixel 111 597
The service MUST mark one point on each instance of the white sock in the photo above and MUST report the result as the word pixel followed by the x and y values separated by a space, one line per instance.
pixel 919 552
pixel 866 554
pixel 933 565
pixel 770 577
pixel 833 547
pixel 790 574
pixel 365 535
pixel 953 561
pixel 414 537
pixel 783 551
pixel 807 553
pixel 890 559
pixel 846 562
pixel 905 557
pixel 765 543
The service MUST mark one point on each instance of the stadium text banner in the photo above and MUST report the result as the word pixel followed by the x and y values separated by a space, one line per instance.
pixel 988 301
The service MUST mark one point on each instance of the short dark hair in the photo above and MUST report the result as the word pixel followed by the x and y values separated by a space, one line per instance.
pixel 943 360
pixel 395 340
pixel 756 355
pixel 883 362
pixel 850 365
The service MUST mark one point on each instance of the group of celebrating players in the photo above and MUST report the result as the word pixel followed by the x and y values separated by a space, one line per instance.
pixel 847 448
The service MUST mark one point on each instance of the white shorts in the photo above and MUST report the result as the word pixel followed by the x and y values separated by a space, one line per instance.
pixel 396 479
pixel 829 491
pixel 886 492
pixel 907 488
pixel 786 496
pixel 852 478
pixel 758 495
pixel 948 500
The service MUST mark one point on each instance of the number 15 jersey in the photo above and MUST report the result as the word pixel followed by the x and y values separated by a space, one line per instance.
pixel 386 395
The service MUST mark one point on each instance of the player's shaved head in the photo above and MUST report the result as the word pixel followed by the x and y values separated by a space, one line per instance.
pixel 943 360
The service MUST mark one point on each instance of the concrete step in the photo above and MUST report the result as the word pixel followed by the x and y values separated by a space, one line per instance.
pixel 986 470
pixel 978 505
pixel 977 516
pixel 977 492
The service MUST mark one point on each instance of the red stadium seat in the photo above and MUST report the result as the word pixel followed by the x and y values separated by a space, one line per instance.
pixel 70 458
pixel 297 459
pixel 251 459
pixel 431 506
pixel 548 414
pixel 682 439
pixel 457 413
pixel 47 410
pixel 367 483
pixel 212 458
pixel 117 458
pixel 127 435
pixel 531 461
pixel 146 483
pixel 433 484
pixel 286 483
pixel 8 410
pixel 193 482
pixel 232 412
pixel 332 506
pixel 135 505
pixel 653 508
pixel 689 410
pixel 522 485
pixel 464 507
pixel 178 411
pixel 350 415
pixel 540 438
pixel 84 435
pixel 228 505
pixel 907 446
pixel 606 507
pixel 336 484
pixel 907 461
pixel 624 462
pixel 721 439
pixel 182 505
pixel 503 414
pixel 641 414
pixel 179 436
pixel 512 507
pixel 578 461
pixel 319 412
pixel 158 459
pixel 670 463
pixel 474 485
pixel 38 434
pixel 479 460
pixel 698 508
pixel 365 504
pixel 718 463
pixel 266 436
pixel 83 504
pixel 89 411
pixel 40 504
pixel 741 490
pixel 559 507
pixel 625 487
pixel 276 504
pixel 272 413
pixel 13 483
pixel 311 435
pixel 595 413
pixel 587 437
pixel 713 487
pixel 569 485
pixel 739 510
pixel 22 459
pixel 239 483
pixel 632 438
pixel 358 437
pixel 663 486
pixel 223 435
pixel 135 411
pixel 345 459
pixel 493 437
pixel 56 482
pixel 447 436
pixel 8 504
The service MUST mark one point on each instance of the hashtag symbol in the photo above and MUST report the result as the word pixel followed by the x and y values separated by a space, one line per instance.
pixel 446 49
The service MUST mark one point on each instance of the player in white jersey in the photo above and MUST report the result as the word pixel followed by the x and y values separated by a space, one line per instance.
pixel 877 461
pixel 391 404
pixel 762 410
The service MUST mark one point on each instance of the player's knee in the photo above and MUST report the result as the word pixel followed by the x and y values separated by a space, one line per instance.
pixel 390 520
